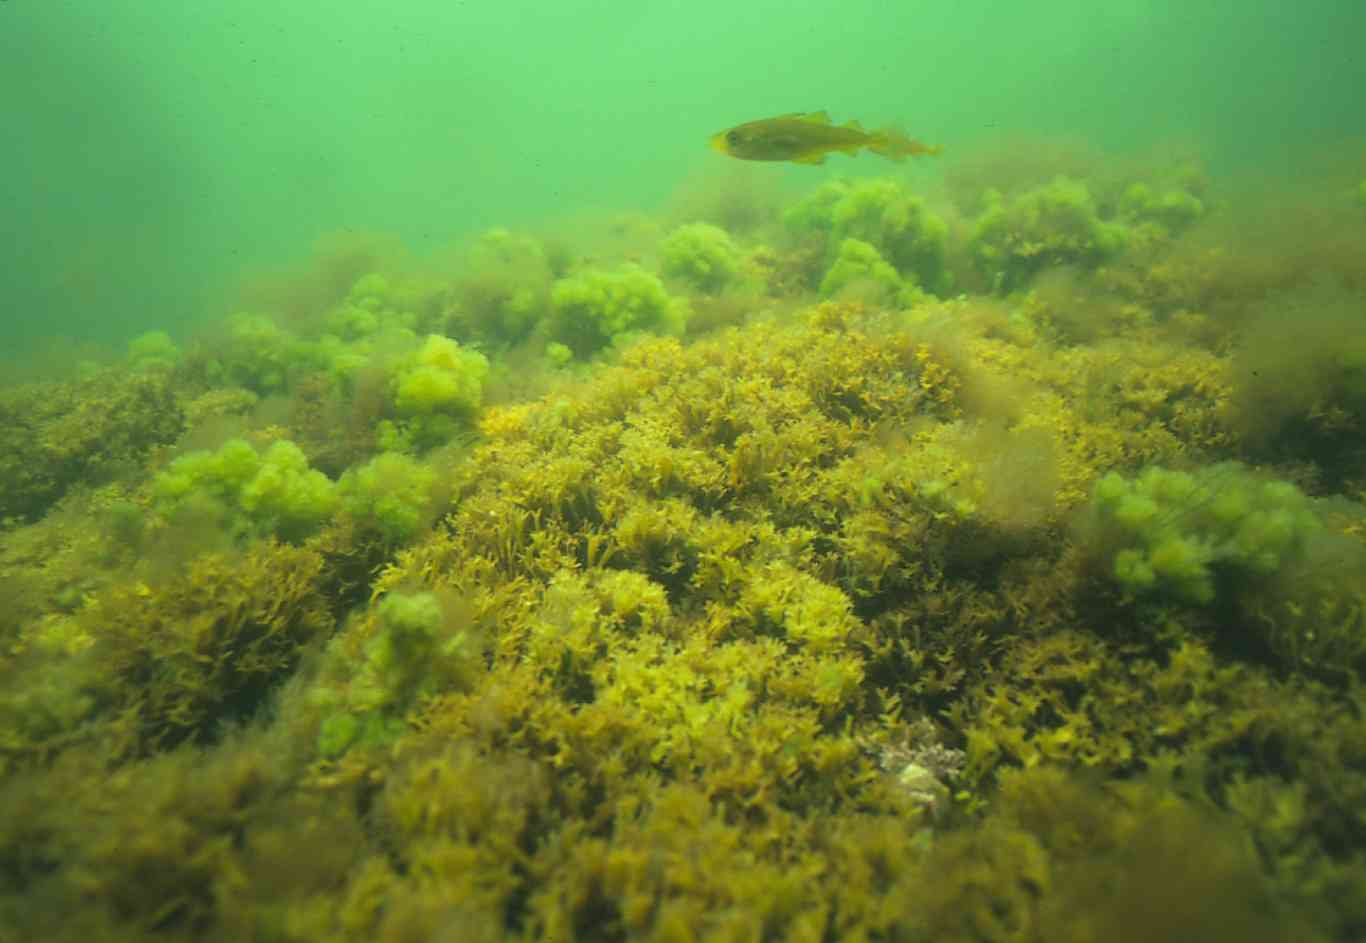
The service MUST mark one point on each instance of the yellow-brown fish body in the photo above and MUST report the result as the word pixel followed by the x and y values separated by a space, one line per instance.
pixel 806 137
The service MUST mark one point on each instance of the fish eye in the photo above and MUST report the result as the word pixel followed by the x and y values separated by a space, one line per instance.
pixel 732 137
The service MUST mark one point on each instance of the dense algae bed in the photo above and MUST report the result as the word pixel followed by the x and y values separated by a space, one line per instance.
pixel 983 566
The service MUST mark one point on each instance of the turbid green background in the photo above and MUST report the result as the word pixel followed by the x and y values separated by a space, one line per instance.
pixel 155 151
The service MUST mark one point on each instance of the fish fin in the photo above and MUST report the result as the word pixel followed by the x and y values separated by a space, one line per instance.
pixel 816 158
pixel 894 145
pixel 853 125
pixel 815 117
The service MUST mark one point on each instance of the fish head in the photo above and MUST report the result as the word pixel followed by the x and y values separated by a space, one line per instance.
pixel 729 141
pixel 783 138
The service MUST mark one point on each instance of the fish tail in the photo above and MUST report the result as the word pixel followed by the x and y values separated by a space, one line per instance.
pixel 894 145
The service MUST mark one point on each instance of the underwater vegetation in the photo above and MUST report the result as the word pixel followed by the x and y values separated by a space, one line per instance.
pixel 883 565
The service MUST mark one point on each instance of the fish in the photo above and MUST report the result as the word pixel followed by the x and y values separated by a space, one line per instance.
pixel 807 137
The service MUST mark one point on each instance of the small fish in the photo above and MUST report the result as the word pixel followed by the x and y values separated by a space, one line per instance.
pixel 806 137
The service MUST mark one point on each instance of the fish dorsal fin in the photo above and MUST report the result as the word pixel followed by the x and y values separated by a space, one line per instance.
pixel 853 125
pixel 815 117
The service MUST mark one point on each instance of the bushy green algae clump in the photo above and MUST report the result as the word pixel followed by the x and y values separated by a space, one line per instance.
pixel 1174 532
pixel 591 309
pixel 803 601
pixel 882 214
pixel 1259 549
pixel 701 254
pixel 274 492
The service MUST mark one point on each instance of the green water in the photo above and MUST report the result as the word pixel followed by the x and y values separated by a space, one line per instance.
pixel 157 152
